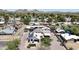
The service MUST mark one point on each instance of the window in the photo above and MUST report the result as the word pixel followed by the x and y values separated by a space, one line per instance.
pixel 31 39
pixel 36 40
pixel 36 35
pixel 78 40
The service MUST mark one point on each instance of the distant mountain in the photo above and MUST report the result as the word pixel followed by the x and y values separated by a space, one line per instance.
pixel 36 11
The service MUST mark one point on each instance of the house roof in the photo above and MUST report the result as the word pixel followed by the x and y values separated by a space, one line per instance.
pixel 33 26
pixel 60 30
pixel 38 30
pixel 31 36
pixel 7 31
pixel 2 21
pixel 67 36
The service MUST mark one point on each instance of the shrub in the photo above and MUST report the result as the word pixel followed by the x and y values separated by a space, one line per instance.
pixel 31 45
pixel 46 41
pixel 13 45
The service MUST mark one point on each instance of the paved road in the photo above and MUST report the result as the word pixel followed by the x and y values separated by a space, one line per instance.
pixel 55 45
pixel 2 44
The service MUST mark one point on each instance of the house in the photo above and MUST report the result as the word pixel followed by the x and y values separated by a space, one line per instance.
pixel 11 21
pixel 76 23
pixel 34 23
pixel 34 26
pixel 68 19
pixel 58 30
pixel 46 31
pixel 33 19
pixel 35 35
pixel 7 31
pixel 69 37
pixel 18 19
pixel 2 21
pixel 39 33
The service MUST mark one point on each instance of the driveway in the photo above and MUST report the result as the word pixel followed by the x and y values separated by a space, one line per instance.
pixel 3 45
pixel 23 43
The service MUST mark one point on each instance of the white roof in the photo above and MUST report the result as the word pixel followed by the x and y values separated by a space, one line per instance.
pixel 18 19
pixel 29 26
pixel 59 30
pixel 67 36
pixel 2 22
pixel 46 28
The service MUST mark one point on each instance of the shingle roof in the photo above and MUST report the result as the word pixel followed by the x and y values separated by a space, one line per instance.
pixel 31 37
pixel 39 30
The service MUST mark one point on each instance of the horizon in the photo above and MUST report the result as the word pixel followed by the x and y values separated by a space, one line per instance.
pixel 49 10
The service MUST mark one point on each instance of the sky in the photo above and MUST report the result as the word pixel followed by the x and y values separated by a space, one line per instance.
pixel 60 10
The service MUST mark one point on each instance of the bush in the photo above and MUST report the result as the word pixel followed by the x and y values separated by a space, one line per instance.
pixel 28 46
pixel 31 45
pixel 13 45
pixel 46 41
pixel 74 29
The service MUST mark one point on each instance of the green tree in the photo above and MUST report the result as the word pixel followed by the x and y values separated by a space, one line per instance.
pixel 26 20
pixel 60 18
pixel 74 29
pixel 6 17
pixel 49 20
pixel 46 41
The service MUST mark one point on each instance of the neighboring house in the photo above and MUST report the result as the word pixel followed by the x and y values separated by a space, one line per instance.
pixel 34 23
pixel 46 19
pixel 33 19
pixel 2 21
pixel 58 30
pixel 7 31
pixel 46 31
pixel 68 19
pixel 11 21
pixel 34 26
pixel 18 19
pixel 69 37
pixel 76 23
